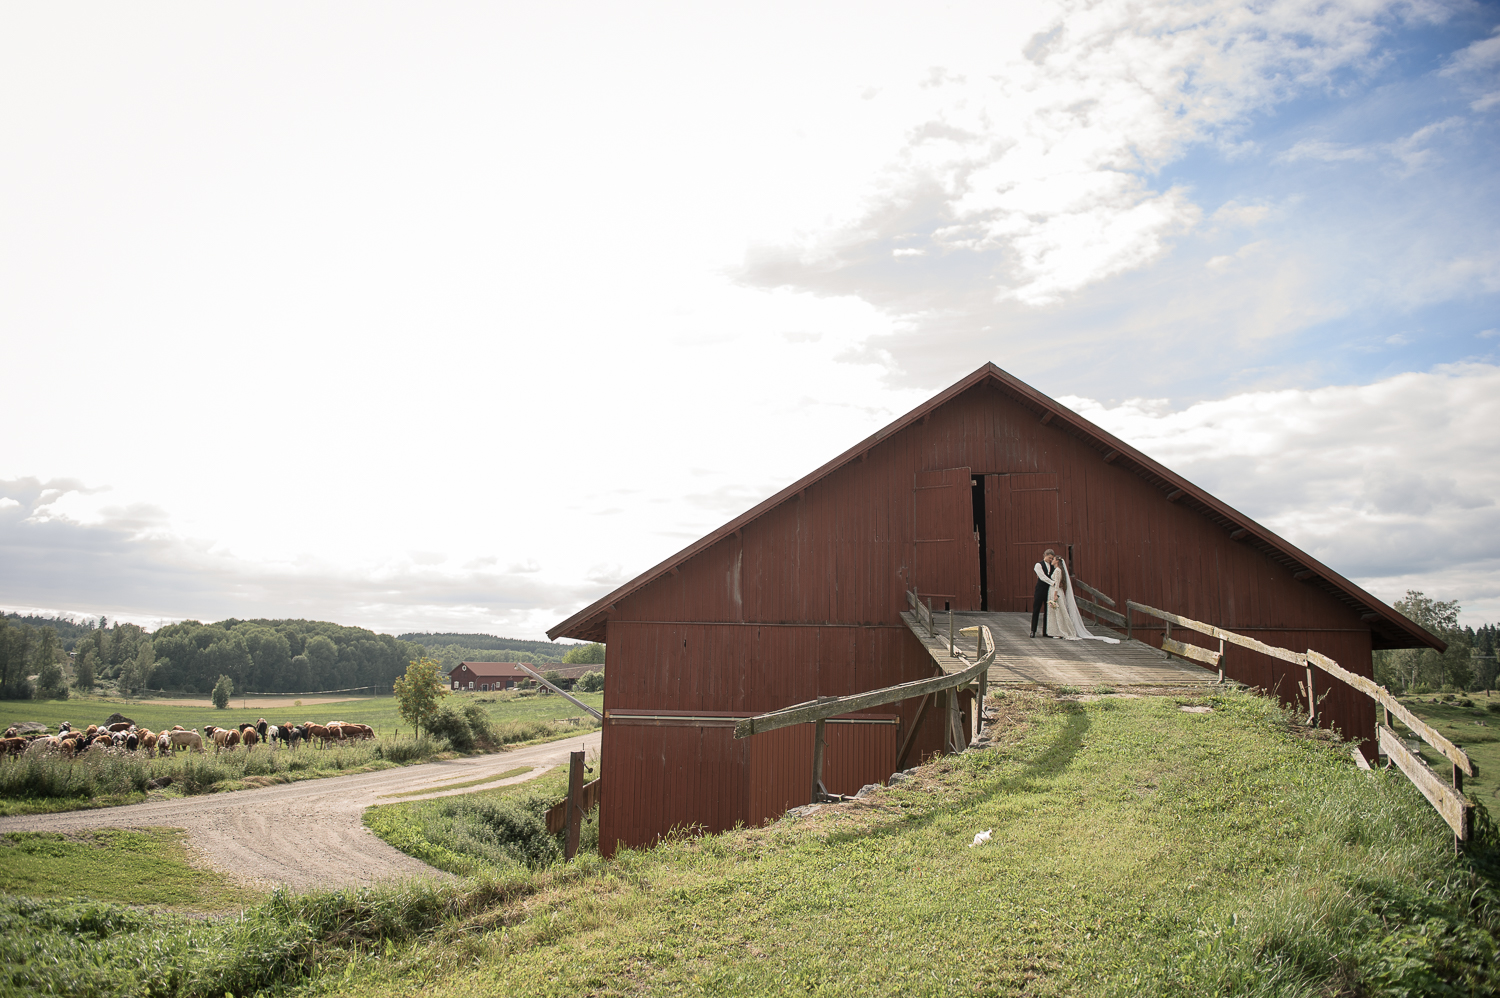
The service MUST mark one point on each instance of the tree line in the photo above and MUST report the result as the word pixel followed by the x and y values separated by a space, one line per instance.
pixel 1467 664
pixel 258 656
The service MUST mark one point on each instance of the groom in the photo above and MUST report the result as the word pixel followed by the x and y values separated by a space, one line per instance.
pixel 1043 570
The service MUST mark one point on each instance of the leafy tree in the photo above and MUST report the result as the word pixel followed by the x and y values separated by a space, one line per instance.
pixel 83 668
pixel 223 690
pixel 1409 669
pixel 135 675
pixel 50 683
pixel 592 654
pixel 15 660
pixel 417 692
pixel 590 682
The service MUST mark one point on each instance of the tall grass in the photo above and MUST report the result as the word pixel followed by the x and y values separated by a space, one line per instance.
pixel 109 777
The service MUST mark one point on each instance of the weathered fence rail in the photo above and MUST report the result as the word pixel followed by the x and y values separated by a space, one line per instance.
pixel 1446 796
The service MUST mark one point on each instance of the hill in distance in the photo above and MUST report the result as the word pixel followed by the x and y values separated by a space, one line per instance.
pixel 488 642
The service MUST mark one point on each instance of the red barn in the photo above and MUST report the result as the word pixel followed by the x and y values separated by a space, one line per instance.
pixel 484 677
pixel 801 597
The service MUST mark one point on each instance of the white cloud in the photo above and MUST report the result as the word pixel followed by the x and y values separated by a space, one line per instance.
pixel 1393 484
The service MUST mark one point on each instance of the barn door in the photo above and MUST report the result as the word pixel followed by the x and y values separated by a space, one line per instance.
pixel 945 566
pixel 1022 519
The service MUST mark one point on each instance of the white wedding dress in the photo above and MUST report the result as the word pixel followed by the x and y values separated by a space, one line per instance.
pixel 1063 617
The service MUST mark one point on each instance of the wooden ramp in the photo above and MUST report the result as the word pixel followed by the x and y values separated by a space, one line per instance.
pixel 1020 658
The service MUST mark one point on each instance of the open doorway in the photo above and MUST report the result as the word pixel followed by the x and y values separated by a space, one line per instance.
pixel 980 532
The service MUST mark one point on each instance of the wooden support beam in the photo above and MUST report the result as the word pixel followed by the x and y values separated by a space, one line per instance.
pixel 1235 535
pixel 1176 494
pixel 911 736
pixel 1099 611
pixel 1304 575
pixel 1110 457
pixel 1312 699
pixel 1093 592
pixel 1194 653
pixel 1047 417
pixel 824 707
pixel 1369 618
pixel 820 743
pixel 575 804
pixel 560 692
pixel 1449 802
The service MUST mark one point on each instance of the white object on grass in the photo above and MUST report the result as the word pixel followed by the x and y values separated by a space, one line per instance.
pixel 981 838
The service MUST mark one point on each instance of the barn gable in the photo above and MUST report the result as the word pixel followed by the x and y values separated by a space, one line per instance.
pixel 801 596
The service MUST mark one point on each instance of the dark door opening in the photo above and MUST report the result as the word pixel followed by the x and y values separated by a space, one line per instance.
pixel 980 536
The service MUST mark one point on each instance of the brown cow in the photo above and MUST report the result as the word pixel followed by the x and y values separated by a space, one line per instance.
pixel 12 745
pixel 121 726
pixel 249 737
pixel 319 732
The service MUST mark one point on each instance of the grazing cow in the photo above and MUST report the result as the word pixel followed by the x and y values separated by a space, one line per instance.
pixel 148 739
pixel 64 728
pixel 121 726
pixel 249 738
pixel 260 728
pixel 12 732
pixel 91 731
pixel 182 738
pixel 318 731
pixel 12 745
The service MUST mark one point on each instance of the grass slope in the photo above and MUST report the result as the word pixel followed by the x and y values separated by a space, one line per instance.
pixel 1136 849
pixel 1474 729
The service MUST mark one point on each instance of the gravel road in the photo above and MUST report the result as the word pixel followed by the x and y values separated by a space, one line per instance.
pixel 308 834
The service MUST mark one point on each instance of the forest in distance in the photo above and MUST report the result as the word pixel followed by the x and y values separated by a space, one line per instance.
pixel 46 657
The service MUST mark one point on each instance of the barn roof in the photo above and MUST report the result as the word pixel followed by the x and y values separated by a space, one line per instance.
pixel 510 670
pixel 1391 628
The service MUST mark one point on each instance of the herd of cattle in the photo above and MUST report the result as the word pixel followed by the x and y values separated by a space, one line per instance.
pixel 124 736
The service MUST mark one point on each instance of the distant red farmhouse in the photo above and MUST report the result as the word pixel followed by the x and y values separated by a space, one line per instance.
pixel 491 676
pixel 801 597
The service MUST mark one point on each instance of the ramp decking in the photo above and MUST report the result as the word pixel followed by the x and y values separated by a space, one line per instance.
pixel 1019 658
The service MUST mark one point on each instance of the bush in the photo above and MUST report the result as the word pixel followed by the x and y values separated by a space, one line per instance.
pixel 1493 706
pixel 591 682
pixel 450 723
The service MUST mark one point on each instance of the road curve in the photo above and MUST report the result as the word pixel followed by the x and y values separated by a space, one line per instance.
pixel 309 835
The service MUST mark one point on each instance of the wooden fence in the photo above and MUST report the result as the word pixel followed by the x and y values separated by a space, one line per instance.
pixel 1446 796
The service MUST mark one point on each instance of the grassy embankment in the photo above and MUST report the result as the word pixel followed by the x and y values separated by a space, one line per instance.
pixel 1137 850
pixel 33 785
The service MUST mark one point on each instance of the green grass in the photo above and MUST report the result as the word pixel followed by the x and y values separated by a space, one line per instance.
pixel 1475 730
pixel 137 866
pixel 487 832
pixel 467 783
pixel 1137 850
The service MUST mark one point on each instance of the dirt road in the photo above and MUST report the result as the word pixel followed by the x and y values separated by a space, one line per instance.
pixel 309 834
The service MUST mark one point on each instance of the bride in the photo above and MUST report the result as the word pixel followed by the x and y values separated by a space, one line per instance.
pixel 1062 611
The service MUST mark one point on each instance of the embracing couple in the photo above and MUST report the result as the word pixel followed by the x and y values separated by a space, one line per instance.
pixel 1053 603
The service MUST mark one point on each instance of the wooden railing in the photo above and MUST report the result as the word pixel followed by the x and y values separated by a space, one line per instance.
pixel 1094 609
pixel 1447 797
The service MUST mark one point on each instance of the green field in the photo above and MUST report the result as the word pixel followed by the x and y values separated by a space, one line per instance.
pixel 379 712
pixel 1136 850
pixel 1474 729
pixel 33 785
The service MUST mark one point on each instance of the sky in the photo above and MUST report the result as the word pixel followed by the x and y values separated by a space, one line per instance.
pixel 455 316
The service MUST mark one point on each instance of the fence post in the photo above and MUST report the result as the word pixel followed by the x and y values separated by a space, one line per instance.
pixel 818 790
pixel 575 803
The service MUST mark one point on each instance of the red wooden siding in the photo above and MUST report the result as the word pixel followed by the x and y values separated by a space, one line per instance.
pixel 804 600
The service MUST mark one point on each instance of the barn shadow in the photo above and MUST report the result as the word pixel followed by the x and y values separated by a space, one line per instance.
pixel 1056 757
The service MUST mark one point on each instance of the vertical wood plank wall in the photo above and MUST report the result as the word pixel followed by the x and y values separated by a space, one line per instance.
pixel 805 601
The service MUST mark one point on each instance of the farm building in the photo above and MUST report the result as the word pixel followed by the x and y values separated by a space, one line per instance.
pixel 801 597
pixel 485 677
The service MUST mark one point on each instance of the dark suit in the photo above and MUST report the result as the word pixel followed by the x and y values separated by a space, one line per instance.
pixel 1039 598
